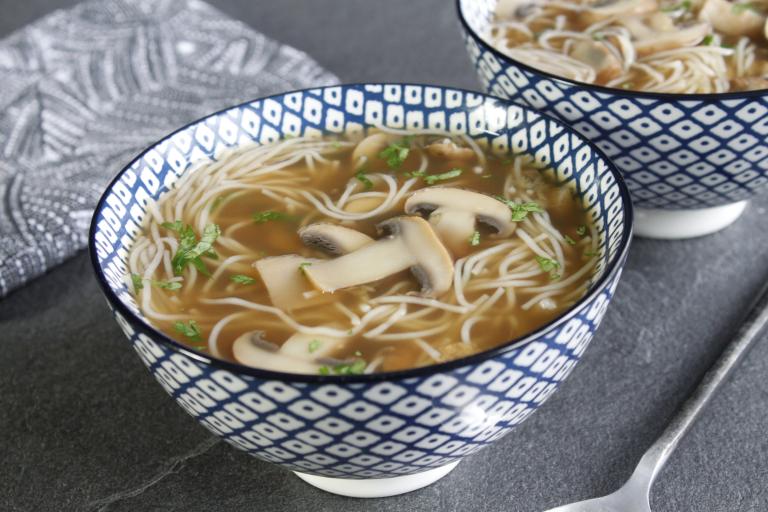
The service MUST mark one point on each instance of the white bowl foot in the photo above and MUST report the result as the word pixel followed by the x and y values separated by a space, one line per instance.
pixel 377 487
pixel 675 224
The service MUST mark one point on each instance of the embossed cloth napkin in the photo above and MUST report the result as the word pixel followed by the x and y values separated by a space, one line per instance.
pixel 84 90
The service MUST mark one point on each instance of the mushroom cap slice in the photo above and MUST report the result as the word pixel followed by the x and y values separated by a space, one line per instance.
pixel 454 212
pixel 410 243
pixel 286 284
pixel 332 238
pixel 293 356
pixel 448 150
pixel 604 9
pixel 727 19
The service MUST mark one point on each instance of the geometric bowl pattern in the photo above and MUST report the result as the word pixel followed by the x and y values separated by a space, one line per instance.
pixel 675 151
pixel 387 424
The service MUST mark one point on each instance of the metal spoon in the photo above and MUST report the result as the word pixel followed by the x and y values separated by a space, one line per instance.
pixel 634 495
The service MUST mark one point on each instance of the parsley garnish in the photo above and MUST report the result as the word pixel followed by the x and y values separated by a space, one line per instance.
pixel 190 250
pixel 138 285
pixel 590 253
pixel 474 239
pixel 549 265
pixel 167 285
pixel 520 210
pixel 324 370
pixel 707 40
pixel 302 266
pixel 432 178
pixel 396 153
pixel 242 279
pixel 314 345
pixel 191 330
pixel 581 231
pixel 598 36
pixel 685 5
pixel 358 353
pixel 357 367
pixel 569 240
pixel 267 215
pixel 365 180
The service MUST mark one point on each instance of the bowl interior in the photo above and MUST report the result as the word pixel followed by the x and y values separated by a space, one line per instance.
pixel 493 123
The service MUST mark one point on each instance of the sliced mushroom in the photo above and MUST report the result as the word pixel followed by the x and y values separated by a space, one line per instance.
pixel 370 147
pixel 409 243
pixel 604 9
pixel 597 56
pixel 728 18
pixel 510 9
pixel 649 40
pixel 333 239
pixel 454 213
pixel 448 150
pixel 286 285
pixel 299 354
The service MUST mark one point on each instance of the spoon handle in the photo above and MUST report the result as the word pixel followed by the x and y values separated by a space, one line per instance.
pixel 656 456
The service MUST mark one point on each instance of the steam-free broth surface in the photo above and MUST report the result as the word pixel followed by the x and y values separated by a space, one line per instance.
pixel 223 253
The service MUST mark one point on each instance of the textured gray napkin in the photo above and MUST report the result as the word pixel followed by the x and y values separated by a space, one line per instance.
pixel 83 90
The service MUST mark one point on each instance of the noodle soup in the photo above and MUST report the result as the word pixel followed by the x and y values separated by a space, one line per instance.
pixel 348 255
pixel 671 46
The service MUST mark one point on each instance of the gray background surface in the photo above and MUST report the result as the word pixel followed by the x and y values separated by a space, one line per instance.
pixel 83 426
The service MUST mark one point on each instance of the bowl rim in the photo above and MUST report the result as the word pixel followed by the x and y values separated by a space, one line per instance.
pixel 612 268
pixel 665 96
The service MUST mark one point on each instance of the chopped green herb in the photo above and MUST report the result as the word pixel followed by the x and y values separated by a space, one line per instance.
pixel 335 144
pixel 590 253
pixel 627 85
pixel 242 279
pixel 415 174
pixel 520 210
pixel 324 370
pixel 138 285
pixel 190 329
pixel 598 36
pixel 684 5
pixel 727 46
pixel 357 367
pixel 362 178
pixel 302 266
pixel 358 353
pixel 167 285
pixel 396 153
pixel 569 240
pixel 474 239
pixel 190 249
pixel 743 7
pixel 547 264
pixel 707 40
pixel 173 226
pixel 314 345
pixel 268 215
pixel 581 231
pixel 433 178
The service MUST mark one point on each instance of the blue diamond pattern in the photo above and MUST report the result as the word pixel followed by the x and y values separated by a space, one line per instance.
pixel 370 426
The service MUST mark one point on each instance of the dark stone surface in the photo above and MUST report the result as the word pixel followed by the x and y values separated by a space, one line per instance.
pixel 84 427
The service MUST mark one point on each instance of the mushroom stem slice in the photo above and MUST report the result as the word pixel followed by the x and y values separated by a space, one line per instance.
pixel 410 243
pixel 455 228
pixel 286 285
pixel 332 238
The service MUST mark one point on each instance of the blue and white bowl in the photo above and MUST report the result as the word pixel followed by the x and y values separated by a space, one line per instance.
pixel 691 161
pixel 387 433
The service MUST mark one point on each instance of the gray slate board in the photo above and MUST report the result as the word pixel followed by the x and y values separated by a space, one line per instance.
pixel 84 426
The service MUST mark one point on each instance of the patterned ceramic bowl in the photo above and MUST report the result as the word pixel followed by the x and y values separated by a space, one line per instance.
pixel 691 162
pixel 379 434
